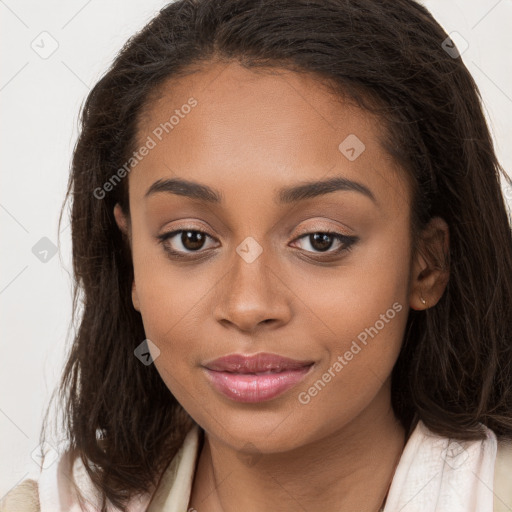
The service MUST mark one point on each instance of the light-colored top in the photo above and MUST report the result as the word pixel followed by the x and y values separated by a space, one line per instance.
pixel 434 474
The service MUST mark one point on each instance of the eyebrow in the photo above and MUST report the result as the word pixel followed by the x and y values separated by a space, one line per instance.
pixel 285 195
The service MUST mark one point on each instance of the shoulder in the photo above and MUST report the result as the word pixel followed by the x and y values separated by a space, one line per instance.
pixel 53 492
pixel 22 498
pixel 503 476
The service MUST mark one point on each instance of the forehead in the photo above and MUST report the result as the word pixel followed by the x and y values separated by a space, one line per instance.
pixel 229 126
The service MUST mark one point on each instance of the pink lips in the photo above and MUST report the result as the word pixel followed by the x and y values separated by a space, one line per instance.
pixel 255 378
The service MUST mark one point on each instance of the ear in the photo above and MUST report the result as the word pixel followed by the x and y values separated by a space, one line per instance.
pixel 122 224
pixel 121 220
pixel 135 297
pixel 430 267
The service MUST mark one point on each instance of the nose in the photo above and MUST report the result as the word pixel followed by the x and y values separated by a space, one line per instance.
pixel 253 294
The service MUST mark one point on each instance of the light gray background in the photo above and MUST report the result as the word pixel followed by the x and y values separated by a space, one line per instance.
pixel 40 100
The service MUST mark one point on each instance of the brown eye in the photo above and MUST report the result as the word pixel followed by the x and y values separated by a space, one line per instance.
pixel 322 241
pixel 192 240
pixel 184 241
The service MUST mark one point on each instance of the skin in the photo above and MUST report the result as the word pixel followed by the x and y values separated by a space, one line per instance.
pixel 251 134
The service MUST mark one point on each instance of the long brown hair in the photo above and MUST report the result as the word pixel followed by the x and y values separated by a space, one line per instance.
pixel 454 370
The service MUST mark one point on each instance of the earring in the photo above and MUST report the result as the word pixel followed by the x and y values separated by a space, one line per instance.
pixel 423 300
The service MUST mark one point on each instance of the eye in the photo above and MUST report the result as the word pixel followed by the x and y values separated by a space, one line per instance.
pixel 183 241
pixel 322 241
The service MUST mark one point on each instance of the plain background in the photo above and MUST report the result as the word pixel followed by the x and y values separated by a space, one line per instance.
pixel 40 100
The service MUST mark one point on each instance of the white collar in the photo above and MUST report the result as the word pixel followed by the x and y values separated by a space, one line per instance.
pixel 434 474
pixel 438 474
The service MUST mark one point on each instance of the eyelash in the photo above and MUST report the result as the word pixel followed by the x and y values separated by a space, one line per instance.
pixel 347 242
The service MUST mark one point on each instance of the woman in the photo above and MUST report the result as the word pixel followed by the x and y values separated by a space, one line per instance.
pixel 296 267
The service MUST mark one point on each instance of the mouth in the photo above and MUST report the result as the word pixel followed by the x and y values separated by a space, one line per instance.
pixel 257 378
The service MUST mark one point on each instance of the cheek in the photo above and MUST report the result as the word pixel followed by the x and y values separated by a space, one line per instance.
pixel 366 327
pixel 365 312
pixel 352 296
pixel 173 309
pixel 168 293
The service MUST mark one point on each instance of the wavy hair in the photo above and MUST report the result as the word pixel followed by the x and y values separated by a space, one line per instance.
pixel 454 369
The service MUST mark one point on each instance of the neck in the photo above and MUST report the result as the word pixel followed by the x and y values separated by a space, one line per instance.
pixel 350 468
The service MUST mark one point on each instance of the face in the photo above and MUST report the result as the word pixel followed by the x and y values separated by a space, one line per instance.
pixel 251 266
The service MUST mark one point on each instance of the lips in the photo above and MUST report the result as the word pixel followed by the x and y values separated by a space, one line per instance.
pixel 262 363
pixel 255 378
